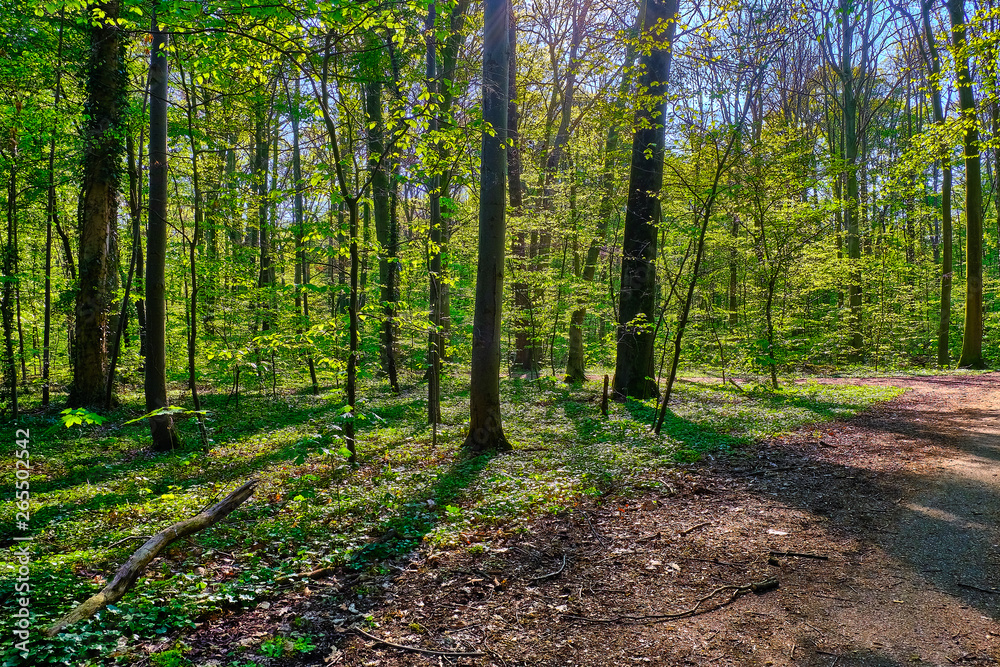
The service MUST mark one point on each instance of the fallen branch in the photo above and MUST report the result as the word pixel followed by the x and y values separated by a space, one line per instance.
pixel 552 574
pixel 759 588
pixel 694 527
pixel 417 649
pixel 130 571
pixel 793 554
pixel 593 530
pixel 127 539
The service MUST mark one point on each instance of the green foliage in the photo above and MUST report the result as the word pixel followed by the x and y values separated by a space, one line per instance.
pixel 77 416
pixel 313 510
pixel 171 658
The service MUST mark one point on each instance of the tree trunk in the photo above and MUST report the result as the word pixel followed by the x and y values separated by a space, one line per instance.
pixel 98 208
pixel 51 218
pixel 635 359
pixel 934 70
pixel 352 357
pixel 301 258
pixel 576 361
pixel 10 273
pixel 161 426
pixel 136 565
pixel 378 161
pixel 485 428
pixel 435 341
pixel 525 357
pixel 972 339
pixel 852 207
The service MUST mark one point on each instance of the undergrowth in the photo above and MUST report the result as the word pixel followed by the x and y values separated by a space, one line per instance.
pixel 96 492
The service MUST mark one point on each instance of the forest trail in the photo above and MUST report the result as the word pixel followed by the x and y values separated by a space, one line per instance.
pixel 894 515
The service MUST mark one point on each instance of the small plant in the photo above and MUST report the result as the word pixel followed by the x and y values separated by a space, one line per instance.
pixel 303 645
pixel 78 416
pixel 279 646
pixel 172 658
pixel 273 648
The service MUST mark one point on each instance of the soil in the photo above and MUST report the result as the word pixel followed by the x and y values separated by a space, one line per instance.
pixel 894 515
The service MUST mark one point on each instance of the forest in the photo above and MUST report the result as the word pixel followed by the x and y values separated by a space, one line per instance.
pixel 354 251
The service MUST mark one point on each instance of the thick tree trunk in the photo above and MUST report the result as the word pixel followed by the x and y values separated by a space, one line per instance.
pixel 972 339
pixel 485 428
pixel 161 426
pixel 98 208
pixel 635 359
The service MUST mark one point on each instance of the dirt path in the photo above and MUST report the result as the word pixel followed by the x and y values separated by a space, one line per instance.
pixel 903 504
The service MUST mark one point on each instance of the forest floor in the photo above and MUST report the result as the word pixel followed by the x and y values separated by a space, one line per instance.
pixel 894 516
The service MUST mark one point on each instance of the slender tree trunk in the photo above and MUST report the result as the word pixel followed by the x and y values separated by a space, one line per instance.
pixel 352 358
pixel 10 273
pixel 634 366
pixel 449 72
pixel 161 426
pixel 972 339
pixel 378 162
pixel 485 428
pixel 852 205
pixel 576 360
pixel 262 233
pixel 190 95
pixel 524 351
pixel 934 71
pixel 301 257
pixel 51 218
pixel 103 131
pixel 435 341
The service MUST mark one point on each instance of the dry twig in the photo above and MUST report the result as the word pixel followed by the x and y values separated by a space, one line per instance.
pixel 552 574
pixel 417 649
pixel 759 588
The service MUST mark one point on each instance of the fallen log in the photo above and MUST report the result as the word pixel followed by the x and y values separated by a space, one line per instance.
pixel 130 571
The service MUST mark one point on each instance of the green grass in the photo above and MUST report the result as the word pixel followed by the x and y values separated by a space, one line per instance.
pixel 94 486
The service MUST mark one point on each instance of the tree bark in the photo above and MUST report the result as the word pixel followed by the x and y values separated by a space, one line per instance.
pixel 10 273
pixel 161 426
pixel 972 339
pixel 933 62
pixel 852 207
pixel 435 340
pixel 634 365
pixel 485 427
pixel 105 105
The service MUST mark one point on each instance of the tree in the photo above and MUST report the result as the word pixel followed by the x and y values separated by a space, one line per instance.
pixel 161 426
pixel 485 428
pixel 634 359
pixel 972 340
pixel 103 133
